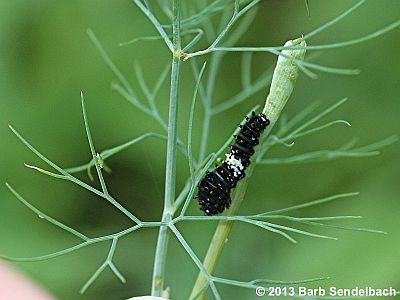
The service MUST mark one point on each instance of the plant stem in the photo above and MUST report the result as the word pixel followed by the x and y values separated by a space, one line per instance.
pixel 283 80
pixel 215 62
pixel 205 131
pixel 220 236
pixel 170 174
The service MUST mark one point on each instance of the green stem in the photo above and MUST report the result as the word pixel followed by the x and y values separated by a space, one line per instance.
pixel 215 62
pixel 170 174
pixel 283 80
pixel 220 236
pixel 205 131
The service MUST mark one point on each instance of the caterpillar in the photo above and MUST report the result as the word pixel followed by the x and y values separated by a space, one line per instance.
pixel 214 189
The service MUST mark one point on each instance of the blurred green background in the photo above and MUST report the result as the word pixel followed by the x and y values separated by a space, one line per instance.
pixel 46 58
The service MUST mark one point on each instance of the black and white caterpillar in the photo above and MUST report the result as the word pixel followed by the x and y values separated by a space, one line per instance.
pixel 215 188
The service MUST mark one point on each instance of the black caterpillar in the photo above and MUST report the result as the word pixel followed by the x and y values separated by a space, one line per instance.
pixel 215 188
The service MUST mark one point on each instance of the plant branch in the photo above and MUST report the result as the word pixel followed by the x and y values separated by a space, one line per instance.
pixel 67 176
pixel 170 174
pixel 237 14
pixel 156 24
pixel 107 263
pixel 44 216
pixel 113 151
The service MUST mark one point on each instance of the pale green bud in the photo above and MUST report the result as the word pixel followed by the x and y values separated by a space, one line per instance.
pixel 283 80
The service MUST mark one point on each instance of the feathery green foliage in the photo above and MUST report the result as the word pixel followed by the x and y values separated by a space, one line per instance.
pixel 190 31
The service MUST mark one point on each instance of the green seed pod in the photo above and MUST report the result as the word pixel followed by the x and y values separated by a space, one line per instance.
pixel 283 80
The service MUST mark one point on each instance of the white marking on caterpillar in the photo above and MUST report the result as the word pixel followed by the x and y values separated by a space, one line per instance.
pixel 235 164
